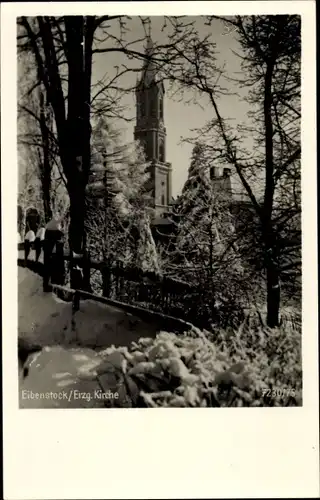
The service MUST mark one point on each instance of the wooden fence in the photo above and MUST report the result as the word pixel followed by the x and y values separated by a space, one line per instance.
pixel 151 291
pixel 112 280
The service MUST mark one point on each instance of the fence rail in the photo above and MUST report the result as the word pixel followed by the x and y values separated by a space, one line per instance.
pixel 151 291
pixel 156 292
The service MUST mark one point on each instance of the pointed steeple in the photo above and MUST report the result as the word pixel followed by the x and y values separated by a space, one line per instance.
pixel 149 44
pixel 150 129
pixel 149 71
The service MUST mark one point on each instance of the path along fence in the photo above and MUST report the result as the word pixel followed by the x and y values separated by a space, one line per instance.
pixel 112 280
pixel 147 290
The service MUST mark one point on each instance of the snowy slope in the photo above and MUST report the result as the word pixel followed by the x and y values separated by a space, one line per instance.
pixel 47 320
pixel 68 352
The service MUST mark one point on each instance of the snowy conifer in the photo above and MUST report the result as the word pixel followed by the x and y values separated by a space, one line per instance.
pixel 204 253
pixel 119 202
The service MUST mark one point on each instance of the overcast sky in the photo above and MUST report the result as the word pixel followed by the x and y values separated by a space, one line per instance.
pixel 179 117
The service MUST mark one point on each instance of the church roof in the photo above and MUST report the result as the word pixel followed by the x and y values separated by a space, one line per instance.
pixel 149 45
pixel 162 221
pixel 149 70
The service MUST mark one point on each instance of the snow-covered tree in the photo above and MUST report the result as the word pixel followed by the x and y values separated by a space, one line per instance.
pixel 205 253
pixel 146 257
pixel 42 184
pixel 104 235
pixel 29 189
pixel 118 201
pixel 195 185
pixel 263 148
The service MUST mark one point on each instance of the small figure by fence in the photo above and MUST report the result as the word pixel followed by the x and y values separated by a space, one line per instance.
pixel 57 270
pixel 28 242
pixel 53 262
pixel 39 241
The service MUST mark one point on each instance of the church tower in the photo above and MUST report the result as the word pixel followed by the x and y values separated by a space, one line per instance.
pixel 151 132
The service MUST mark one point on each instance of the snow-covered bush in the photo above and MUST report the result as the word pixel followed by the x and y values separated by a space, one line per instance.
pixel 222 369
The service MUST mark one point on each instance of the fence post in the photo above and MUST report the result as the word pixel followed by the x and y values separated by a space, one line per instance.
pixel 86 272
pixel 57 265
pixel 76 273
pixel 117 271
pixel 121 280
pixel 76 301
pixel 164 294
pixel 105 271
pixel 75 308
pixel 46 265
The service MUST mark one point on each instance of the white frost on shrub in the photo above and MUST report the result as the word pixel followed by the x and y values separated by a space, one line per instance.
pixel 195 369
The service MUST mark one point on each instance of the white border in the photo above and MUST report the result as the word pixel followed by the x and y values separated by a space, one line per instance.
pixel 232 453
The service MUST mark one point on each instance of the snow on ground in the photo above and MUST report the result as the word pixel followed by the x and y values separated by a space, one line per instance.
pixel 58 373
pixel 101 325
pixel 47 320
pixel 41 317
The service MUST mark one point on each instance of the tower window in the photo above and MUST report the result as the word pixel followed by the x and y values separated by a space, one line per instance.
pixel 161 151
pixel 163 199
pixel 141 107
pixel 161 108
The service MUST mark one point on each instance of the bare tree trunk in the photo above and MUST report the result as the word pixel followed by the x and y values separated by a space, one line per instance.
pixel 46 192
pixel 273 288
pixel 76 142
pixel 273 296
pixel 45 163
pixel 211 285
pixel 77 216
pixel 74 133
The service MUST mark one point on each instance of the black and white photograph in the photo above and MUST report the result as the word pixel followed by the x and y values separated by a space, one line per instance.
pixel 159 211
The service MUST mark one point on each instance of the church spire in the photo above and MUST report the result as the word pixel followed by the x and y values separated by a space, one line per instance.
pixel 149 45
pixel 149 72
pixel 150 129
